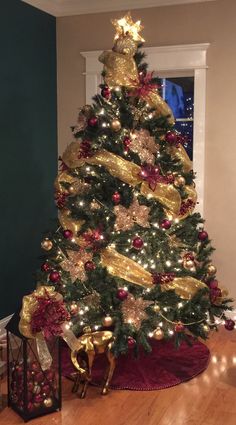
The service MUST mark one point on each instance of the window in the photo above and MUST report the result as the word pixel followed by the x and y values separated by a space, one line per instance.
pixel 180 65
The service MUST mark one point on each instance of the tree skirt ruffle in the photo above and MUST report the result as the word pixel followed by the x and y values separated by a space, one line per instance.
pixel 164 367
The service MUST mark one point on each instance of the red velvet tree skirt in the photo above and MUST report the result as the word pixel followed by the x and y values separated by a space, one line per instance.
pixel 162 368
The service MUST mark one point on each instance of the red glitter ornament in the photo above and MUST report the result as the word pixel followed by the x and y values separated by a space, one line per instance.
pixel 89 266
pixel 131 342
pixel 54 277
pixel 229 324
pixel 166 224
pixel 179 327
pixel 106 93
pixel 214 294
pixel 202 235
pixel 121 294
pixel 68 234
pixel 116 198
pixel 45 267
pixel 137 243
pixel 93 122
pixel 171 137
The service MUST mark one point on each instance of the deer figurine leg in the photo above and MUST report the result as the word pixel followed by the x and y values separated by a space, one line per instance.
pixel 76 383
pixel 111 368
pixel 91 356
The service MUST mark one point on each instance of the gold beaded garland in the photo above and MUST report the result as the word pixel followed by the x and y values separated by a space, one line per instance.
pixel 116 125
pixel 46 244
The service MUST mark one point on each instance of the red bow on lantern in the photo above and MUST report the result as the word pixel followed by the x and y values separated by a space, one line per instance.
pixel 152 175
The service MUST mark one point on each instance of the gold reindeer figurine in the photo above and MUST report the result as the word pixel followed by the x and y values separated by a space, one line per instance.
pixel 92 343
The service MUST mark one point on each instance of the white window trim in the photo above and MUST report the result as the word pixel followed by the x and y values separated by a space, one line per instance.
pixel 188 59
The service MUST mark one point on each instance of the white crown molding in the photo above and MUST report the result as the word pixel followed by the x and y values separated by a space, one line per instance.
pixel 60 8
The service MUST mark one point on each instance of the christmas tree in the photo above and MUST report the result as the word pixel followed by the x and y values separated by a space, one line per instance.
pixel 129 253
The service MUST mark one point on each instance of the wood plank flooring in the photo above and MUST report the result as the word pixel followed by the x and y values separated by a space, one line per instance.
pixel 209 399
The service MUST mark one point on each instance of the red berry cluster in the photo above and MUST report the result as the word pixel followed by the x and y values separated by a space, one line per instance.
pixel 60 199
pixel 85 149
pixel 160 278
pixel 186 206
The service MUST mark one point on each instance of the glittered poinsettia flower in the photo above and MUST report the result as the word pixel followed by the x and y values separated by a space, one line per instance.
pixel 144 145
pixel 127 217
pixel 74 264
pixel 133 310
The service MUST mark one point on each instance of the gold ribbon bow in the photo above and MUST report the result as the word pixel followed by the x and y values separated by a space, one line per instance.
pixel 29 305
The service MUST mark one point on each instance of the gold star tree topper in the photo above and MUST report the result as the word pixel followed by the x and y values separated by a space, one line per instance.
pixel 126 25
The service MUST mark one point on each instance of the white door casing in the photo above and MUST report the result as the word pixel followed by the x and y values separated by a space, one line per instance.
pixel 184 60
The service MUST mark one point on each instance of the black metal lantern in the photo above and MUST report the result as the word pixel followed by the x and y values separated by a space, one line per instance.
pixel 32 391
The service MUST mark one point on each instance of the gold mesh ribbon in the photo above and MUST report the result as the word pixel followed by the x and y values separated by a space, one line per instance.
pixel 125 268
pixel 162 109
pixel 70 223
pixel 128 172
pixel 181 154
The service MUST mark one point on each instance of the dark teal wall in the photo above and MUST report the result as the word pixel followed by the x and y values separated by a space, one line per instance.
pixel 28 149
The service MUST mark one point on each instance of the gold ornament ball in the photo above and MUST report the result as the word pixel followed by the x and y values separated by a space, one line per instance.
pixel 46 244
pixel 206 328
pixel 179 181
pixel 107 321
pixel 189 264
pixel 158 334
pixel 116 125
pixel 211 269
pixel 156 308
pixel 48 402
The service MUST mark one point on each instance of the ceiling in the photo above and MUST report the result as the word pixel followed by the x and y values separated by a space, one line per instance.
pixel 81 7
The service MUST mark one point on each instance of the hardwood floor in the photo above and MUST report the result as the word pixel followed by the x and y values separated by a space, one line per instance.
pixel 209 399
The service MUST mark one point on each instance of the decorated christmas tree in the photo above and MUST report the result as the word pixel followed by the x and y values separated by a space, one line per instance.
pixel 129 254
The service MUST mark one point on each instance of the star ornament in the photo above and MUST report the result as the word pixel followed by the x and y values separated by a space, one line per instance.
pixel 126 26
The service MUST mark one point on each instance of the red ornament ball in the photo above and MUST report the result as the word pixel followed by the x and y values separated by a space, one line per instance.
pixel 121 294
pixel 45 267
pixel 106 93
pixel 54 277
pixel 166 224
pixel 202 235
pixel 213 284
pixel 179 327
pixel 39 377
pixel 229 324
pixel 131 342
pixel 137 243
pixel 68 234
pixel 116 198
pixel 89 266
pixel 50 375
pixel 38 398
pixel 93 122
pixel 171 137
pixel 46 389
